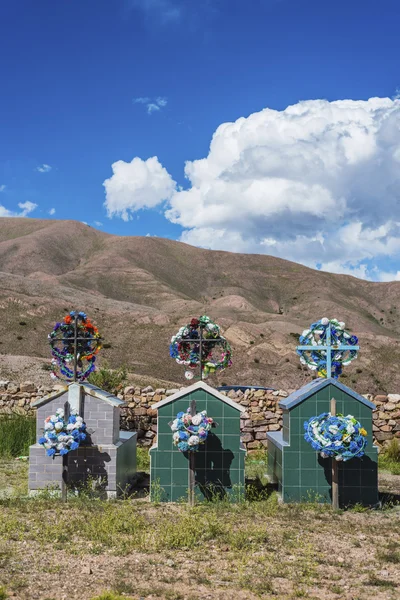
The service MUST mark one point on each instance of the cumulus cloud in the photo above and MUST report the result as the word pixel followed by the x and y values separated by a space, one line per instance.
pixel 136 185
pixel 52 211
pixel 26 209
pixel 2 188
pixel 316 183
pixel 43 168
pixel 152 105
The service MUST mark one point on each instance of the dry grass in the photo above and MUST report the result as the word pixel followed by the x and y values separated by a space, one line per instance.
pixel 131 549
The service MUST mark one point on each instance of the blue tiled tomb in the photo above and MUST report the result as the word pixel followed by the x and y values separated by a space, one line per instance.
pixel 299 471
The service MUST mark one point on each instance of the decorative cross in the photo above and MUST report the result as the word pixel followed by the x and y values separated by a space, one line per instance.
pixel 74 343
pixel 191 464
pixel 335 468
pixel 200 340
pixel 329 348
pixel 74 391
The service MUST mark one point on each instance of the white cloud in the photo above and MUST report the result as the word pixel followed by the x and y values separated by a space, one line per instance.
pixel 43 168
pixel 2 188
pixel 317 183
pixel 152 104
pixel 52 211
pixel 135 185
pixel 98 223
pixel 166 11
pixel 26 209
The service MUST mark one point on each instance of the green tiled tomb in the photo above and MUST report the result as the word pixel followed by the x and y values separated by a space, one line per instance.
pixel 219 463
pixel 299 471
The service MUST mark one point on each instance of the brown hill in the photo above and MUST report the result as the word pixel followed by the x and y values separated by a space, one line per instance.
pixel 139 290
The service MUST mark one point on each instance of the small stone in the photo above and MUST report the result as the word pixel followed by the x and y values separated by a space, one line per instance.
pixel 147 389
pixel 28 386
pixel 160 391
pixel 171 392
pixel 390 406
pixel 395 398
pixel 274 428
pixel 170 563
pixel 86 570
pixel 129 390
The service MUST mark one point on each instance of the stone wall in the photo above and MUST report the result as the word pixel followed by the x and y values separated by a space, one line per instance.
pixel 262 413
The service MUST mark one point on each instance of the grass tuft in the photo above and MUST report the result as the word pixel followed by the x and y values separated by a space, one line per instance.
pixel 17 433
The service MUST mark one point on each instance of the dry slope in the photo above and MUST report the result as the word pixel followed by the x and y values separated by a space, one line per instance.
pixel 140 290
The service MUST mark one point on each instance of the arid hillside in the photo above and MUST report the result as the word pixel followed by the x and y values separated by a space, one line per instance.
pixel 139 290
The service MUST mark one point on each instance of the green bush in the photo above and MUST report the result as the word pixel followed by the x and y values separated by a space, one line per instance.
pixel 389 459
pixel 392 451
pixel 17 433
pixel 109 380
pixel 143 459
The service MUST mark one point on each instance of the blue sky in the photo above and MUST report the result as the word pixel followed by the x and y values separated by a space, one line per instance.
pixel 87 84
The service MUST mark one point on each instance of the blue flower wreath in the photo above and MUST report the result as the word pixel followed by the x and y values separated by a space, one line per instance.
pixel 338 437
pixel 190 432
pixel 60 436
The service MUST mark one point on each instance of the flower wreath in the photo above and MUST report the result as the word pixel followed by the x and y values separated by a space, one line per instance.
pixel 62 348
pixel 60 437
pixel 316 336
pixel 188 353
pixel 190 432
pixel 338 437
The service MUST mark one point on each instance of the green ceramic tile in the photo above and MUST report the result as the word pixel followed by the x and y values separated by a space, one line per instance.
pixel 292 477
pixel 179 460
pixel 290 459
pixel 308 478
pixel 231 425
pixel 164 459
pixel 291 494
pixel 230 412
pixel 180 477
pixel 179 493
pixel 296 442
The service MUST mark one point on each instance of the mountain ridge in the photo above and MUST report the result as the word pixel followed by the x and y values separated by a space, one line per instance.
pixel 140 290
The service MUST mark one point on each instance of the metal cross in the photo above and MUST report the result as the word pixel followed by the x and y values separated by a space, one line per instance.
pixel 75 344
pixel 199 341
pixel 329 348
pixel 192 467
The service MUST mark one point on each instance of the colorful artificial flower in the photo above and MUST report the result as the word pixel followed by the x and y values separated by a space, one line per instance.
pixel 336 436
pixel 184 348
pixel 190 432
pixel 62 347
pixel 60 437
pixel 316 335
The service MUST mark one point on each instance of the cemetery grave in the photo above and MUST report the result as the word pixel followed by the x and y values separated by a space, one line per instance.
pixel 79 427
pixel 218 543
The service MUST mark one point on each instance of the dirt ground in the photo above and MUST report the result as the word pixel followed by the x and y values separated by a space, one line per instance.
pixel 131 549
